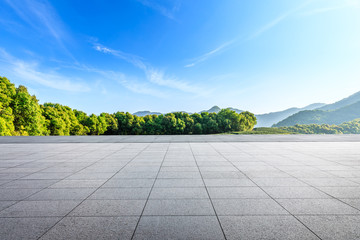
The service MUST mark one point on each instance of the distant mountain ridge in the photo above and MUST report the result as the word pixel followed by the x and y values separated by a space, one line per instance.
pixel 342 103
pixel 345 110
pixel 317 116
pixel 216 109
pixel 268 119
pixel 144 113
pixel 316 113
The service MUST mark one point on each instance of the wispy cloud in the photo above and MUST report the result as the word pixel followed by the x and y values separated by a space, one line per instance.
pixel 345 4
pixel 141 88
pixel 42 18
pixel 133 59
pixel 165 11
pixel 129 83
pixel 152 74
pixel 255 34
pixel 209 54
pixel 28 71
pixel 277 20
pixel 157 77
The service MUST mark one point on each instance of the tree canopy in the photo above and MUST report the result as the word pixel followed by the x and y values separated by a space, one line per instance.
pixel 21 114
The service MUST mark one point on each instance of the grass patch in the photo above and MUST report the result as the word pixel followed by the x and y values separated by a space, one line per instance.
pixel 263 130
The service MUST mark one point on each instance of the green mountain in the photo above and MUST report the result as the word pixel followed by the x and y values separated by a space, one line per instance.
pixel 352 127
pixel 236 110
pixel 144 113
pixel 268 119
pixel 342 103
pixel 216 109
pixel 317 116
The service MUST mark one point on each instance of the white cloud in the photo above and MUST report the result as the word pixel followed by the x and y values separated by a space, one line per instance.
pixel 157 77
pixel 28 71
pixel 130 83
pixel 153 75
pixel 225 46
pixel 277 20
pixel 133 59
pixel 42 17
pixel 209 54
pixel 142 88
pixel 167 12
pixel 345 4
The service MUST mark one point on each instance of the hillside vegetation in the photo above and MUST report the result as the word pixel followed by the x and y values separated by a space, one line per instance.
pixel 338 116
pixel 352 127
pixel 342 103
pixel 21 114
pixel 263 131
pixel 268 119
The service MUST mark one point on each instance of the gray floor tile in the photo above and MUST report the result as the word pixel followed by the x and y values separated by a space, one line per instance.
pixel 294 192
pixel 49 176
pixel 275 163
pixel 96 228
pixel 12 176
pixel 316 206
pixel 121 193
pixel 63 194
pixel 329 182
pixel 178 193
pixel 178 227
pixel 247 207
pixel 333 227
pixel 129 183
pixel 266 174
pixel 352 202
pixel 279 182
pixel 20 183
pixel 180 175
pixel 179 207
pixel 173 183
pixel 132 175
pixel 179 169
pixel 90 176
pixel 265 227
pixel 2 182
pixel 78 184
pixel 8 194
pixel 90 208
pixel 342 192
pixel 229 182
pixel 236 192
pixel 40 209
pixel 5 204
pixel 25 228
pixel 222 175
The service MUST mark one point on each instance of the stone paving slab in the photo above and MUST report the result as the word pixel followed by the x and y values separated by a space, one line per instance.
pixel 181 138
pixel 180 187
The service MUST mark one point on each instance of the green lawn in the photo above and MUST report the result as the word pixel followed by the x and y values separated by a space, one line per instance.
pixel 263 130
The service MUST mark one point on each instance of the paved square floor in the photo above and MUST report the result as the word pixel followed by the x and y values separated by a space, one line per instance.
pixel 180 188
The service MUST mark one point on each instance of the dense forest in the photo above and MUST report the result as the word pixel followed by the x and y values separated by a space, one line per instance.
pixel 21 114
pixel 352 127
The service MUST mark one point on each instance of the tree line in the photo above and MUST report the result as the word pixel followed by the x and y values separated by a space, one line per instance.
pixel 352 127
pixel 21 114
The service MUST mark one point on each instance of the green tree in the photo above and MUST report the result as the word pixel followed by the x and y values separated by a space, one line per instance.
pixel 7 93
pixel 28 118
pixel 111 122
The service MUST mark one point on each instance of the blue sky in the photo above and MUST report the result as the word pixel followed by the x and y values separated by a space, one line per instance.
pixel 172 55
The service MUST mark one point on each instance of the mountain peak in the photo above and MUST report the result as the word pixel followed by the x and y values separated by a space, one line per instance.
pixel 342 103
